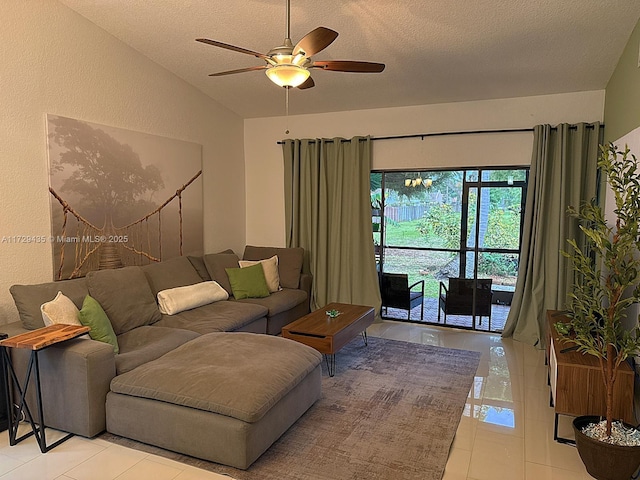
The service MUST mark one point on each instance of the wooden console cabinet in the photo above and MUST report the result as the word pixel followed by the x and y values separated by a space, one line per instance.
pixel 576 380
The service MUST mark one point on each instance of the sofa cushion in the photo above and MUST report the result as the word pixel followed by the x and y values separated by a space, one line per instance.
pixel 92 315
pixel 29 298
pixel 217 263
pixel 146 343
pixel 179 299
pixel 240 375
pixel 248 282
pixel 200 267
pixel 279 302
pixel 172 273
pixel 289 262
pixel 60 310
pixel 125 296
pixel 223 316
pixel 270 267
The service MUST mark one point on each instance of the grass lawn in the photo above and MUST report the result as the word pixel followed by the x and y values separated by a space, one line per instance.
pixel 405 234
pixel 419 265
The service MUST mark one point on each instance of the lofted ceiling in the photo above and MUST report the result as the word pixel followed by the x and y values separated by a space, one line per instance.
pixel 435 50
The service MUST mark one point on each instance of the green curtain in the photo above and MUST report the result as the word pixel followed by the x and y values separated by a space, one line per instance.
pixel 328 213
pixel 563 173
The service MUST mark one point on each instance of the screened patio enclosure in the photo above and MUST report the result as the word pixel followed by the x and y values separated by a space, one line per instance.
pixel 457 231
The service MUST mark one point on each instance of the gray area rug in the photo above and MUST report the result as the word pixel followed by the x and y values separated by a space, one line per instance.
pixel 390 412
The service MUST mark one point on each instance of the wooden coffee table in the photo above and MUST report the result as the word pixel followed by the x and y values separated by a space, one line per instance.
pixel 329 335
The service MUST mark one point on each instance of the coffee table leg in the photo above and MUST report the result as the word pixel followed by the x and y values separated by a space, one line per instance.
pixel 364 337
pixel 331 364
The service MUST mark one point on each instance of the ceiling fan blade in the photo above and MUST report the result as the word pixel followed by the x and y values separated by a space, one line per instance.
pixel 349 66
pixel 315 41
pixel 232 48
pixel 308 83
pixel 240 70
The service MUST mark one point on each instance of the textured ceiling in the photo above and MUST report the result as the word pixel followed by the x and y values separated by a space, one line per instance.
pixel 435 50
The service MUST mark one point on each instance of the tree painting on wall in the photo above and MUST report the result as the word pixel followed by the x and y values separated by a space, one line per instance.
pixel 120 197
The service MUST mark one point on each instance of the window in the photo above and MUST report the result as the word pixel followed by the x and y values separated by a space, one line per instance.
pixel 433 225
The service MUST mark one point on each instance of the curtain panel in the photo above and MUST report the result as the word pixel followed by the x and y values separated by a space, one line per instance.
pixel 563 173
pixel 328 213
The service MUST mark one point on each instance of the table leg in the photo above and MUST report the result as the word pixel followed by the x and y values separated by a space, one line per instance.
pixel 7 395
pixel 364 338
pixel 558 439
pixel 23 407
pixel 331 363
pixel 40 431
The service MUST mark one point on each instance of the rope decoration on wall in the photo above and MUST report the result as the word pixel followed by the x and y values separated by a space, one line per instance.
pixel 97 248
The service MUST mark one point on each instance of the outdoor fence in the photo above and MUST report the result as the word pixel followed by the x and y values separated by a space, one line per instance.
pixel 405 213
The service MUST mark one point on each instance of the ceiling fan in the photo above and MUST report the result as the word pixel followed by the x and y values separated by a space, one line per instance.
pixel 289 65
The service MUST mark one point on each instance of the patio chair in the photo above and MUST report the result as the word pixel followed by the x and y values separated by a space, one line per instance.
pixel 397 293
pixel 457 299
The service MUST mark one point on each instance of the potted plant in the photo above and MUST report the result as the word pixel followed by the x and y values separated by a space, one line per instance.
pixel 607 273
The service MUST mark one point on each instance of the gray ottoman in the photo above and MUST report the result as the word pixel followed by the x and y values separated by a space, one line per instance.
pixel 223 397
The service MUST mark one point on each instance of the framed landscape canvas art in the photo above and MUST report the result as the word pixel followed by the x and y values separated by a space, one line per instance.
pixel 120 197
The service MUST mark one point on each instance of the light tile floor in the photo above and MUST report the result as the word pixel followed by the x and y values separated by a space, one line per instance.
pixel 506 431
pixel 84 459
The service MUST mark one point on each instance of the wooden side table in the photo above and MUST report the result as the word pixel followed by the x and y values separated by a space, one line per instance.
pixel 36 341
pixel 576 381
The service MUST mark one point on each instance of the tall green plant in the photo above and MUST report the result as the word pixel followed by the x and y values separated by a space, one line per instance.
pixel 442 222
pixel 607 273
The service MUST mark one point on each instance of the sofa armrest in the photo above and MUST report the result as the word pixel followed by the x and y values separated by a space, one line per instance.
pixel 306 280
pixel 75 376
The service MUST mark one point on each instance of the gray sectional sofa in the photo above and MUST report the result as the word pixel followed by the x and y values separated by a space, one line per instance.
pixel 199 382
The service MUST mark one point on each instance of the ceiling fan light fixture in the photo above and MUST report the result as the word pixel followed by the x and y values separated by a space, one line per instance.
pixel 287 75
pixel 288 65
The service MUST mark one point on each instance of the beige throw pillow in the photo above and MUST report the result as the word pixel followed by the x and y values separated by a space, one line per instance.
pixel 60 310
pixel 270 267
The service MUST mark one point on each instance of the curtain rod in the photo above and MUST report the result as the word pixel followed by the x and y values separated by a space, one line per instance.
pixel 442 134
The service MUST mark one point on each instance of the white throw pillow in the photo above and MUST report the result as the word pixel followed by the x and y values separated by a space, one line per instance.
pixel 270 267
pixel 60 310
pixel 179 299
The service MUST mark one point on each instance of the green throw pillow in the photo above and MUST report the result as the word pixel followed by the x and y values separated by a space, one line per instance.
pixel 248 282
pixel 92 315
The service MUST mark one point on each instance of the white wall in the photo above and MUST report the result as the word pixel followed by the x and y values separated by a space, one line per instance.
pixel 55 61
pixel 263 157
pixel 632 141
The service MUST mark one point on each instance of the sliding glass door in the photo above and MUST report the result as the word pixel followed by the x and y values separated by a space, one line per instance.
pixel 460 232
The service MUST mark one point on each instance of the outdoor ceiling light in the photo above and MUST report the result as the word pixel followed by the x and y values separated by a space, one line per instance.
pixel 418 181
